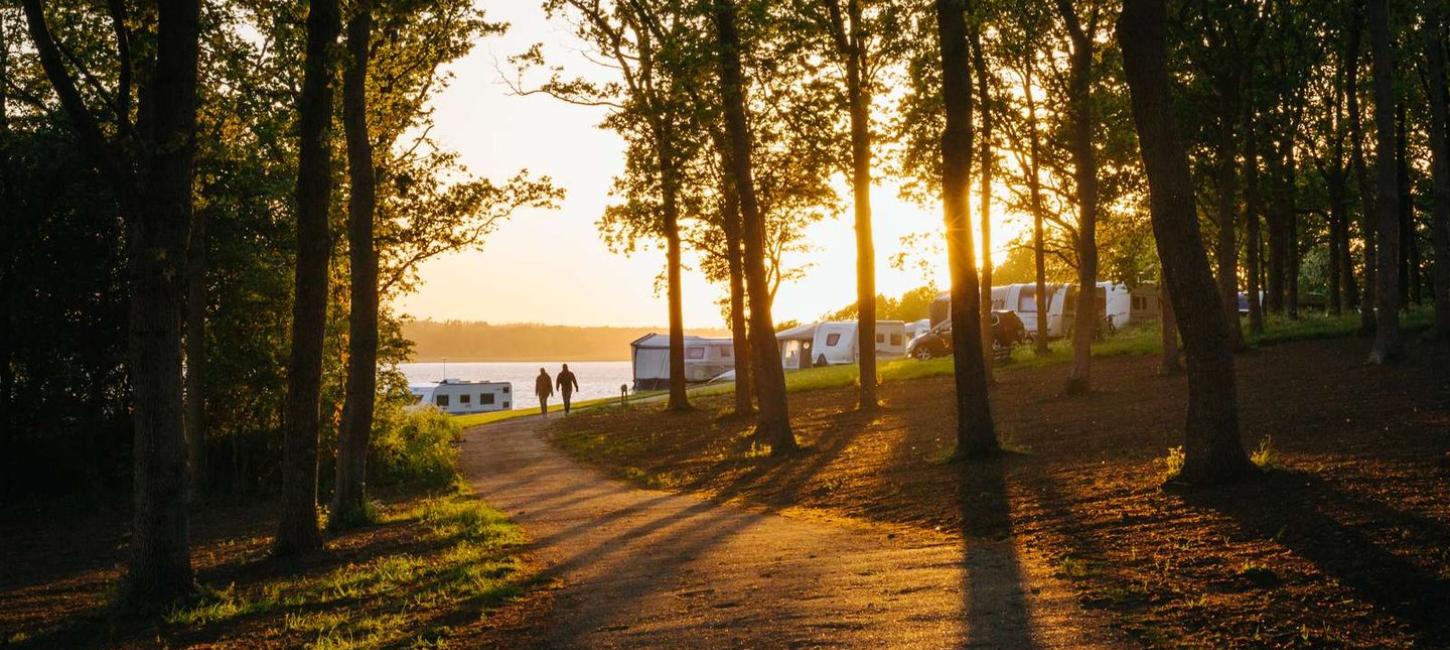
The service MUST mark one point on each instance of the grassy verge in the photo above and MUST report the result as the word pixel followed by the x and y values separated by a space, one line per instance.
pixel 477 419
pixel 450 558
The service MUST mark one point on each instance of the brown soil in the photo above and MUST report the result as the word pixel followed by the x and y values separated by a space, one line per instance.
pixel 1348 545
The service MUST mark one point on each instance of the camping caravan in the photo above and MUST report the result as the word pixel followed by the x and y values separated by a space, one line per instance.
pixel 917 328
pixel 705 358
pixel 836 343
pixel 1123 305
pixel 459 397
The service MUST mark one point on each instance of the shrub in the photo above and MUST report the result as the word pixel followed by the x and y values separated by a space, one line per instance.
pixel 1266 456
pixel 414 447
pixel 1172 463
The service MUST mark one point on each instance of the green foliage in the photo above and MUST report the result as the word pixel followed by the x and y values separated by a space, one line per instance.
pixel 1172 463
pixel 1266 456
pixel 413 446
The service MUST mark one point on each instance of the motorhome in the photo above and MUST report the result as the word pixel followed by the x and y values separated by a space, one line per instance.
pixel 459 397
pixel 705 359
pixel 837 342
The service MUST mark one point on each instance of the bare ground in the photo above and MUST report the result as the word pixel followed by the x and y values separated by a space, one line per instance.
pixel 1346 544
pixel 645 568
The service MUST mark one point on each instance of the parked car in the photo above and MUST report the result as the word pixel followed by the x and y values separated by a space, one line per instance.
pixel 1007 331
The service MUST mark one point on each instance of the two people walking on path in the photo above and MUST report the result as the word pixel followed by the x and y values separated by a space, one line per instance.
pixel 544 388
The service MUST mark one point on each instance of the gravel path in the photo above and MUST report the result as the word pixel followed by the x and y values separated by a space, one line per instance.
pixel 634 568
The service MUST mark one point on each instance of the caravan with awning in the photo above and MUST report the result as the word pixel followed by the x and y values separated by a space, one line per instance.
pixel 705 359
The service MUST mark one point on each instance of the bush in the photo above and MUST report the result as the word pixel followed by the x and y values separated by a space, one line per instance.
pixel 414 447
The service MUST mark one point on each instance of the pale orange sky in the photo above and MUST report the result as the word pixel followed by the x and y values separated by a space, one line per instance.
pixel 550 266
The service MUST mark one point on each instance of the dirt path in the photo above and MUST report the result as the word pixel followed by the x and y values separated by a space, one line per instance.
pixel 642 568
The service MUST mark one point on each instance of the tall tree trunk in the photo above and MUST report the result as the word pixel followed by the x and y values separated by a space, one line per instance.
pixel 1291 230
pixel 1387 304
pixel 1085 176
pixel 1409 262
pixel 297 532
pixel 859 104
pixel 1213 452
pixel 1252 210
pixel 1039 244
pixel 1440 168
pixel 1335 265
pixel 153 186
pixel 195 378
pixel 1228 248
pixel 1168 331
pixel 984 101
pixel 738 333
pixel 1362 179
pixel 975 433
pixel 349 498
pixel 773 421
pixel 669 191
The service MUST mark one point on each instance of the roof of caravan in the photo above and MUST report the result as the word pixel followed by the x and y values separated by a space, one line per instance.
pixel 657 341
pixel 804 332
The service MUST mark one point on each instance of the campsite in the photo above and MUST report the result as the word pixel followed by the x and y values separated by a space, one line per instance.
pixel 343 325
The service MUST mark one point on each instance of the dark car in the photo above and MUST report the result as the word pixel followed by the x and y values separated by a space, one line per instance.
pixel 1007 331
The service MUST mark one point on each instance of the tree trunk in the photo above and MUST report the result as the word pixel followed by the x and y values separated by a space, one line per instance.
pixel 1387 304
pixel 669 199
pixel 195 379
pixel 1039 246
pixel 738 333
pixel 858 100
pixel 1085 176
pixel 1362 180
pixel 1228 250
pixel 1213 452
pixel 1291 230
pixel 153 187
pixel 297 532
pixel 1252 210
pixel 975 434
pixel 1409 261
pixel 349 499
pixel 773 421
pixel 1336 217
pixel 984 101
pixel 1168 331
pixel 1440 168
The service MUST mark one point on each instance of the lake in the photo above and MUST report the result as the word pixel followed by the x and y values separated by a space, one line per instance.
pixel 596 378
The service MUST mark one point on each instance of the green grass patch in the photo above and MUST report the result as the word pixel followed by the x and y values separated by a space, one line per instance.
pixel 460 560
pixel 476 419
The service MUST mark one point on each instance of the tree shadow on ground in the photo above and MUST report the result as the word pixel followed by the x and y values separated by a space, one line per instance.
pixel 993 582
pixel 1335 532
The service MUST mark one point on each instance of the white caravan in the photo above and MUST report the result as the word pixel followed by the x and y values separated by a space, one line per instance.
pixel 837 342
pixel 459 397
pixel 705 359
pixel 1059 308
pixel 1124 305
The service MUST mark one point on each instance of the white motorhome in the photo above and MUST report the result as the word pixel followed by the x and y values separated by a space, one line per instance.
pixel 459 397
pixel 837 342
pixel 705 359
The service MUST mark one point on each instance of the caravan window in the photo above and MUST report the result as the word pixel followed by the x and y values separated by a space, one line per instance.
pixel 1140 302
pixel 832 339
pixel 1027 300
pixel 465 398
pixel 694 353
pixel 880 338
pixel 895 339
pixel 506 389
pixel 725 353
pixel 485 398
pixel 441 400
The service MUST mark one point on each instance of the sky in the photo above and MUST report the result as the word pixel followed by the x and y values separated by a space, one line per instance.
pixel 550 266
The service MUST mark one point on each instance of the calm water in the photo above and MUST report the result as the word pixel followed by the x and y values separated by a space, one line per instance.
pixel 596 378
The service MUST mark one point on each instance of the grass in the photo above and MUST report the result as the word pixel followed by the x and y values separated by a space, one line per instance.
pixel 462 561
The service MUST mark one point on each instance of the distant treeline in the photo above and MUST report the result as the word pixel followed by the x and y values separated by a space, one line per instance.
pixel 478 341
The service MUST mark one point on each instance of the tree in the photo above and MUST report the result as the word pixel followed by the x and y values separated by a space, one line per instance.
pixel 987 158
pixel 975 434
pixel 1361 175
pixel 773 420
pixel 1440 161
pixel 297 531
pixel 349 496
pixel 148 163
pixel 864 45
pixel 1387 303
pixel 1085 176
pixel 1213 452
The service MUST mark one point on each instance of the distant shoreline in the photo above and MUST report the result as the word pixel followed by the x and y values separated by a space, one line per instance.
pixel 476 342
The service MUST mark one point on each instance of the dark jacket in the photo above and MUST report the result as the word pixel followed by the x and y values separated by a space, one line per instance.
pixel 567 383
pixel 543 386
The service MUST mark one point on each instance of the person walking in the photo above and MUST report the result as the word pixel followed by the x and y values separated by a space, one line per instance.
pixel 567 385
pixel 543 388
